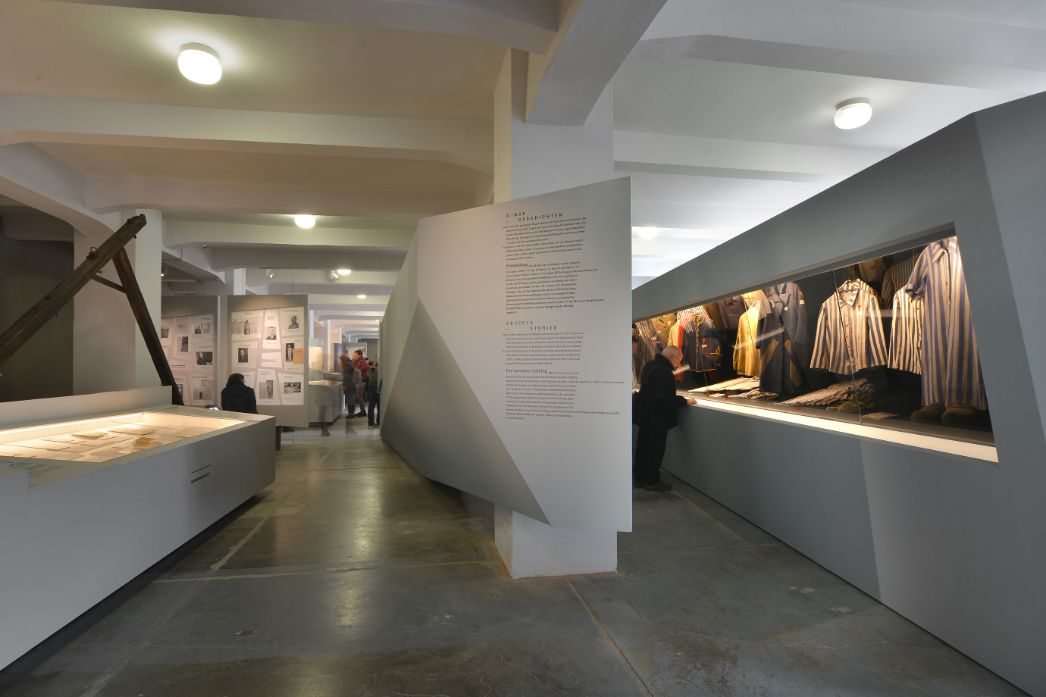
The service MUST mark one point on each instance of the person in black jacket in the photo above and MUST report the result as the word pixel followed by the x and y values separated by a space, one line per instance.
pixel 238 397
pixel 656 414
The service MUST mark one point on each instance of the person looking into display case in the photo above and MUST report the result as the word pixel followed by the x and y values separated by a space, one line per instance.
pixel 237 396
pixel 656 415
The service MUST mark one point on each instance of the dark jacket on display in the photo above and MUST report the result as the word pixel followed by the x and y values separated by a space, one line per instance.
pixel 239 398
pixel 658 401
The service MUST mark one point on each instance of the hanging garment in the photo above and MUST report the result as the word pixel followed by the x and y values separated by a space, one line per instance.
pixel 849 331
pixel 783 340
pixel 906 335
pixel 701 346
pixel 675 335
pixel 644 353
pixel 896 276
pixel 731 310
pixel 747 360
pixel 663 326
pixel 951 368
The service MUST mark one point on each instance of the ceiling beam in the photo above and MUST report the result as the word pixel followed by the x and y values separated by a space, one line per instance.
pixel 524 24
pixel 107 194
pixel 222 258
pixel 298 278
pixel 655 153
pixel 594 38
pixel 57 120
pixel 34 178
pixel 178 233
pixel 929 43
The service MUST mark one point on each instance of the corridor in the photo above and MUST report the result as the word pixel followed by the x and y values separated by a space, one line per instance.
pixel 352 575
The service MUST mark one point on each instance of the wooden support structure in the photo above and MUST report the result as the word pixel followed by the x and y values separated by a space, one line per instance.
pixel 112 250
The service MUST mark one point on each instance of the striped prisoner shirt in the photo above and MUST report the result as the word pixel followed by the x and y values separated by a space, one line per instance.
pixel 849 331
pixel 895 277
pixel 951 367
pixel 906 335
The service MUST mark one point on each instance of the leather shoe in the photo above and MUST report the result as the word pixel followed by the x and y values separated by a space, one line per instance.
pixel 931 413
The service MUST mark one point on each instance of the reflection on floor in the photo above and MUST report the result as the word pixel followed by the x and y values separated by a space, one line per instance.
pixel 352 575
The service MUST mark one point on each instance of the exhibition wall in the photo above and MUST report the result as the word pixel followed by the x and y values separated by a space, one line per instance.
pixel 30 269
pixel 949 533
pixel 504 371
pixel 268 341
pixel 189 336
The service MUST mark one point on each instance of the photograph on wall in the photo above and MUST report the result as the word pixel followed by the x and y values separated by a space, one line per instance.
pixel 244 355
pixel 265 391
pixel 204 358
pixel 292 321
pixel 180 386
pixel 288 352
pixel 271 359
pixel 182 325
pixel 245 325
pixel 203 326
pixel 292 389
pixel 165 333
pixel 271 330
pixel 181 344
pixel 201 389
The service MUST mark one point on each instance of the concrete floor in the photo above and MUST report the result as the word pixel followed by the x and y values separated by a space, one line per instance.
pixel 352 575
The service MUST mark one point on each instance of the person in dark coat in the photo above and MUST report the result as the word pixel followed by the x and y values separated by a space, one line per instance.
pixel 238 397
pixel 656 413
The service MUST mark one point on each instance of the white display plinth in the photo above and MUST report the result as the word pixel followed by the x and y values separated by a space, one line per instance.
pixel 531 548
pixel 73 531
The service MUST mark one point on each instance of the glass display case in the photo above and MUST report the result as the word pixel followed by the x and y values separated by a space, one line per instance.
pixel 887 341
pixel 49 450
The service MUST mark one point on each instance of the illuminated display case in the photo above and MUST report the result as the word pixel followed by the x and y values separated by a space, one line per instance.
pixel 888 341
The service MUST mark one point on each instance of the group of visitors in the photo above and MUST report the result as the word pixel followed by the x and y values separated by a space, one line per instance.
pixel 361 383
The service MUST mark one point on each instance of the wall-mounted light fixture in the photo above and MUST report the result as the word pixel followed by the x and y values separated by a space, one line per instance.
pixel 305 221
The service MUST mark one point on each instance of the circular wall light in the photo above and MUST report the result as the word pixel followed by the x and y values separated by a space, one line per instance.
pixel 362 296
pixel 305 221
pixel 200 64
pixel 645 233
pixel 853 113
pixel 344 272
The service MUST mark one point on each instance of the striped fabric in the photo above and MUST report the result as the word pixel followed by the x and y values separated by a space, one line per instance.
pixel 906 335
pixel 849 331
pixel 951 367
pixel 895 277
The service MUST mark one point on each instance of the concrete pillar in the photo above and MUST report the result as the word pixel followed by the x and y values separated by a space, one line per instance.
pixel 531 159
pixel 108 350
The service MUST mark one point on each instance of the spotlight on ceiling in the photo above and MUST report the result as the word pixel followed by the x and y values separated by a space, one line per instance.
pixel 270 273
pixel 333 275
pixel 305 221
pixel 344 272
pixel 362 296
pixel 645 233
pixel 200 64
pixel 853 113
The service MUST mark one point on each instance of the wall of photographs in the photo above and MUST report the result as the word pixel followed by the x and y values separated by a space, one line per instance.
pixel 268 342
pixel 188 332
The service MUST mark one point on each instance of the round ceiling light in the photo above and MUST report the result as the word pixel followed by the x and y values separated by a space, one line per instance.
pixel 645 233
pixel 853 113
pixel 362 296
pixel 344 272
pixel 305 221
pixel 200 64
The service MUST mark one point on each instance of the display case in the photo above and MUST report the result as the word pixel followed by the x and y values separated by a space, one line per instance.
pixel 94 489
pixel 887 341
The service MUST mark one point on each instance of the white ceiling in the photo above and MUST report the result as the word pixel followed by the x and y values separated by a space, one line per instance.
pixel 373 113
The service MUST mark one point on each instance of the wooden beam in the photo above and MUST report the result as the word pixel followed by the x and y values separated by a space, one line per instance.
pixel 145 322
pixel 28 324
pixel 107 282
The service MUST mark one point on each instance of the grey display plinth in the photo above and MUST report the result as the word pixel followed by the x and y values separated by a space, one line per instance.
pixel 71 533
pixel 954 543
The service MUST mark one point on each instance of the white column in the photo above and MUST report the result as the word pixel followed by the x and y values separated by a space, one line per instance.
pixel 531 159
pixel 108 350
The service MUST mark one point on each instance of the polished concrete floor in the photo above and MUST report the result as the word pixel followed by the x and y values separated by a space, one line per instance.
pixel 352 575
